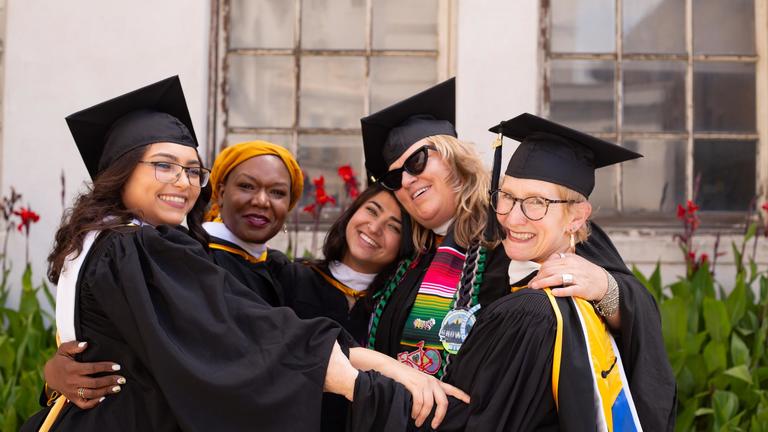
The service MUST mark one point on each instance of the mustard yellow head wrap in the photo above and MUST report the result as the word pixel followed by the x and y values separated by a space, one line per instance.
pixel 234 155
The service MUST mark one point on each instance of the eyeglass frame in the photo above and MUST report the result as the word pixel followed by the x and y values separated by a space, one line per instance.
pixel 184 169
pixel 515 200
pixel 399 171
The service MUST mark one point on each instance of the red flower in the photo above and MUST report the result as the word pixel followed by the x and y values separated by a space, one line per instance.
pixel 680 212
pixel 692 207
pixel 321 198
pixel 347 175
pixel 765 207
pixel 310 208
pixel 28 217
pixel 704 258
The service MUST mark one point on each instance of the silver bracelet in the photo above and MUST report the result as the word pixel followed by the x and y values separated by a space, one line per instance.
pixel 608 306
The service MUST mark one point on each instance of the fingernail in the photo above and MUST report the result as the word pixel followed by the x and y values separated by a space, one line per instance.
pixel 82 344
pixel 101 399
pixel 115 389
pixel 115 367
pixel 121 380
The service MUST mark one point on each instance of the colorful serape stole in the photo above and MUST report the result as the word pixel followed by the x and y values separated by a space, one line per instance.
pixel 433 301
pixel 586 349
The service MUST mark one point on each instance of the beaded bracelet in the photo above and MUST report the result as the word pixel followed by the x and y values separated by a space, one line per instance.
pixel 609 304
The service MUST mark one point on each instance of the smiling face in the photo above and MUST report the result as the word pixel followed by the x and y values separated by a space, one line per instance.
pixel 373 234
pixel 162 203
pixel 428 197
pixel 527 240
pixel 255 197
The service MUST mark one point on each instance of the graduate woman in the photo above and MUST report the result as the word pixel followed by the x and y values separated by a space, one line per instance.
pixel 255 184
pixel 541 359
pixel 202 351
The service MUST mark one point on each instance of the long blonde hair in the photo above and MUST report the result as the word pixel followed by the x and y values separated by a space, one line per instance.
pixel 471 180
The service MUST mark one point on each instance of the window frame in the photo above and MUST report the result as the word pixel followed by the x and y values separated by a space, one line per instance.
pixel 715 220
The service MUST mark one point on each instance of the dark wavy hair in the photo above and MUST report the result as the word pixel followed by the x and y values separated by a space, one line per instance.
pixel 335 246
pixel 101 208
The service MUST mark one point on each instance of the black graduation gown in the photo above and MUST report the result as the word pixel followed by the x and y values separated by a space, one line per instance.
pixel 256 276
pixel 520 330
pixel 310 295
pixel 199 350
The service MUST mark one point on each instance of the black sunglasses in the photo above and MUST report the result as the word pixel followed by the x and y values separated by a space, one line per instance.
pixel 413 165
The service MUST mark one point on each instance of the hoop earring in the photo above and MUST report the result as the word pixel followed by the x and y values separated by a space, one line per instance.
pixel 285 228
pixel 572 245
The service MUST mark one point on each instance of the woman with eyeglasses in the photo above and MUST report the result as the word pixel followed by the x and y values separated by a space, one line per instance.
pixel 430 306
pixel 201 350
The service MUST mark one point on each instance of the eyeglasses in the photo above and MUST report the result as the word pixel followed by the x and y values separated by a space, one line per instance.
pixel 413 165
pixel 170 172
pixel 534 208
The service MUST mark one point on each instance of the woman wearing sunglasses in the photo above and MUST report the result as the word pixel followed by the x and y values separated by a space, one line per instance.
pixel 200 350
pixel 429 307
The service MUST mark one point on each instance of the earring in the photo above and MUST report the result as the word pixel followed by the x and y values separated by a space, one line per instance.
pixel 572 248
pixel 285 228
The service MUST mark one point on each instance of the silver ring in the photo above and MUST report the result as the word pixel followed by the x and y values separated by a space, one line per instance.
pixel 562 255
pixel 567 279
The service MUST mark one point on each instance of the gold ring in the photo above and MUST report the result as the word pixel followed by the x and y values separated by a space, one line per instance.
pixel 81 393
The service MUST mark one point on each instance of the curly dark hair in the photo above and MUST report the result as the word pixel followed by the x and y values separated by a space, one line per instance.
pixel 101 208
pixel 335 245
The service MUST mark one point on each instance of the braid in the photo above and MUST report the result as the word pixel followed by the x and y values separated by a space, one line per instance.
pixel 468 273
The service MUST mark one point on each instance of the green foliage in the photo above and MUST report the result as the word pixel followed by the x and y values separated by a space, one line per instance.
pixel 26 342
pixel 716 342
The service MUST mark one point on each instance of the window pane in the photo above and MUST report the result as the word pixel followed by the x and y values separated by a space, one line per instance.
pixel 279 139
pixel 662 191
pixel 582 95
pixel 323 155
pixel 261 24
pixel 583 26
pixel 724 27
pixel 333 24
pixel 405 24
pixel 261 91
pixel 603 198
pixel 654 26
pixel 396 78
pixel 654 96
pixel 727 170
pixel 724 97
pixel 332 91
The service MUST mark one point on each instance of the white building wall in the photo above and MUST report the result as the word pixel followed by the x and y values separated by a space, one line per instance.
pixel 62 56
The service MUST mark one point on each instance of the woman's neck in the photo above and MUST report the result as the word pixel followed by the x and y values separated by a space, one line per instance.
pixel 220 230
pixel 349 276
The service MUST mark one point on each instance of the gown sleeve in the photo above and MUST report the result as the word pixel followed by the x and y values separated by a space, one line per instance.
pixel 223 359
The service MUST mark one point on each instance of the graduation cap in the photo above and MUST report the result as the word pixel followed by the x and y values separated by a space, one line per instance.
pixel 388 133
pixel 554 153
pixel 151 114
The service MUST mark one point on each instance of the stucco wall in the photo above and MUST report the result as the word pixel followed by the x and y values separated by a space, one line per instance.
pixel 62 56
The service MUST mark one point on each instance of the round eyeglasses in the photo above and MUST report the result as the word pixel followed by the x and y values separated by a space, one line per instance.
pixel 413 165
pixel 534 207
pixel 170 172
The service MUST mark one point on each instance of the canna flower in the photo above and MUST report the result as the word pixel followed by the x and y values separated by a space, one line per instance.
pixel 28 217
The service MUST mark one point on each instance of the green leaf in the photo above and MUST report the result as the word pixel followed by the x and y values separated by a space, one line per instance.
pixel 736 303
pixel 714 356
pixel 737 259
pixel 716 319
pixel 702 282
pixel 704 411
pixel 681 289
pixel 751 230
pixel 739 351
pixel 740 372
pixel 725 405
pixel 674 319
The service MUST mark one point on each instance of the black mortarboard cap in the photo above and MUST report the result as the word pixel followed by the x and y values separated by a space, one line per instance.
pixel 388 133
pixel 151 114
pixel 554 153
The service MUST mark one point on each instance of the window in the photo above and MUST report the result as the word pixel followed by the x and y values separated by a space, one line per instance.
pixel 301 73
pixel 676 80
